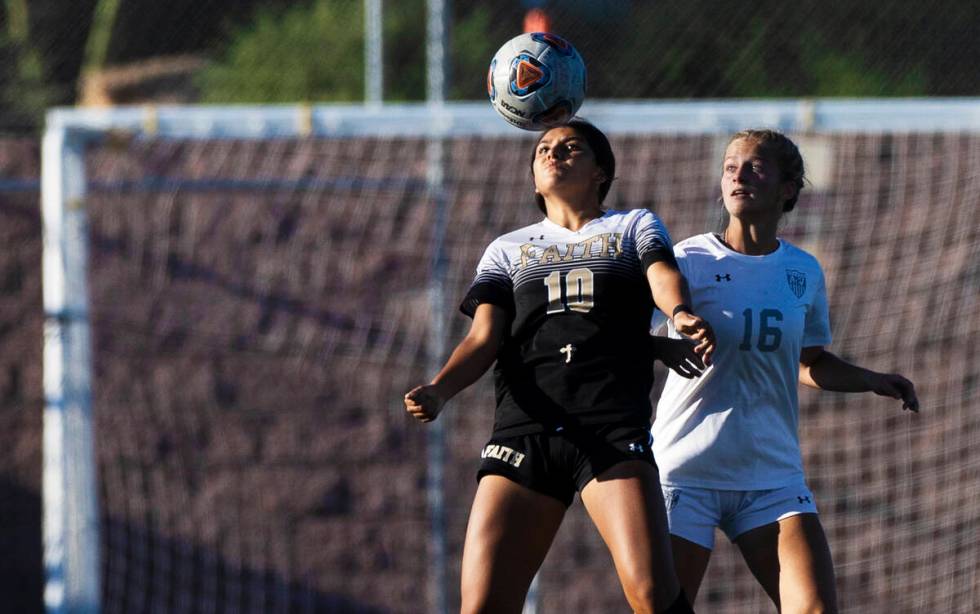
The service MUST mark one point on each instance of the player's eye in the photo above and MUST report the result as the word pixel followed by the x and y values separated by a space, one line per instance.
pixel 730 168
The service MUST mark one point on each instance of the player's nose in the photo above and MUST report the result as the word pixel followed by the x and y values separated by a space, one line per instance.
pixel 744 173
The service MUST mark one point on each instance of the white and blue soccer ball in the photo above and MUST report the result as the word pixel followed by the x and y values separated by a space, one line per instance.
pixel 536 81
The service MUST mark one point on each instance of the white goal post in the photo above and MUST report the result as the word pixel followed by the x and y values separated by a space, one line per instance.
pixel 70 493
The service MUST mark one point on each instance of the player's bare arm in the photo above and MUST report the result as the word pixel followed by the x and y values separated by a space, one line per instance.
pixel 471 358
pixel 826 371
pixel 672 296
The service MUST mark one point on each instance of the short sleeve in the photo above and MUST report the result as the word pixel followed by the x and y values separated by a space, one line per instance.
pixel 493 283
pixel 653 242
pixel 816 330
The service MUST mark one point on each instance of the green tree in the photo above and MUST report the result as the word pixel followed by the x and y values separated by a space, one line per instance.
pixel 473 44
pixel 314 52
pixel 27 92
pixel 404 50
pixel 838 73
pixel 309 52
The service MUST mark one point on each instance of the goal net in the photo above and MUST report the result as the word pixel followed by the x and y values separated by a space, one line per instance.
pixel 260 295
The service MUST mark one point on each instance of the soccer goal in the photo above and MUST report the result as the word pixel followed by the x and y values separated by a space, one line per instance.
pixel 237 298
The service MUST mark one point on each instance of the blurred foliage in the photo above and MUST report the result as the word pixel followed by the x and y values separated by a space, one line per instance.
pixel 312 50
pixel 773 49
pixel 476 36
pixel 257 67
pixel 404 49
pixel 323 60
pixel 36 69
pixel 26 93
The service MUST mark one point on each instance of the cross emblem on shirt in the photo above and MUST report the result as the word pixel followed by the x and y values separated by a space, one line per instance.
pixel 567 351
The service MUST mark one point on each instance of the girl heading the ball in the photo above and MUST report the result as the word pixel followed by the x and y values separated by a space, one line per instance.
pixel 563 308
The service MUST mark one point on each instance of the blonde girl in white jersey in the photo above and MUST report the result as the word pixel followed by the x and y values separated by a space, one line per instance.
pixel 726 441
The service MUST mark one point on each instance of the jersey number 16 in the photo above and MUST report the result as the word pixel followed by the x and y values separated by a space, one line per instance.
pixel 769 336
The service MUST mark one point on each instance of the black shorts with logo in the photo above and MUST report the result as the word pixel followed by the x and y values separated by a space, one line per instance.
pixel 563 461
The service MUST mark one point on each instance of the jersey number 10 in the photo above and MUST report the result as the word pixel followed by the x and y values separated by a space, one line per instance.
pixel 578 291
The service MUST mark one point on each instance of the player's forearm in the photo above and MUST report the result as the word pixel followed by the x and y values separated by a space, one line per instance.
pixel 830 372
pixel 470 360
pixel 668 286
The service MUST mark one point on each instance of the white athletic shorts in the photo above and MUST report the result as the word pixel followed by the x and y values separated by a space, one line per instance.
pixel 693 513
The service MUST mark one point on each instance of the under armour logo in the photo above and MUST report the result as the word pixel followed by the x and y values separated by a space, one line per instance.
pixel 567 351
pixel 803 499
pixel 636 448
pixel 726 277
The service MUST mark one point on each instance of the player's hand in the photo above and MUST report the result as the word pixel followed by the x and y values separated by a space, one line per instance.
pixel 424 403
pixel 895 386
pixel 679 356
pixel 698 329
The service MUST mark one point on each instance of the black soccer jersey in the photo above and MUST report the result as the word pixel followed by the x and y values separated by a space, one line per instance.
pixel 578 350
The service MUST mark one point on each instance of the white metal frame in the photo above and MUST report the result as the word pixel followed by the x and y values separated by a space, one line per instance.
pixel 71 531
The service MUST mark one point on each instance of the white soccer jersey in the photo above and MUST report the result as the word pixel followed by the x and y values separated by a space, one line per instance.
pixel 735 427
pixel 577 349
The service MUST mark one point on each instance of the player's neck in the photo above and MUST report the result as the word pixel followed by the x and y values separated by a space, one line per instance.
pixel 572 216
pixel 751 238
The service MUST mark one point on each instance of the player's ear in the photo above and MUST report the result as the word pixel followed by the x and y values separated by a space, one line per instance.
pixel 789 193
pixel 789 190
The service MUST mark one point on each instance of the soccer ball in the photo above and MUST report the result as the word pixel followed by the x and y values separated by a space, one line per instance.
pixel 536 81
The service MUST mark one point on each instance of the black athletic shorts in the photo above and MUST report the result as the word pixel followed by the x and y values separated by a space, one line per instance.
pixel 561 462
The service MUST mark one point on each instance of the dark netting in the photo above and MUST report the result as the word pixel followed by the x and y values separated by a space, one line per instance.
pixel 259 309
